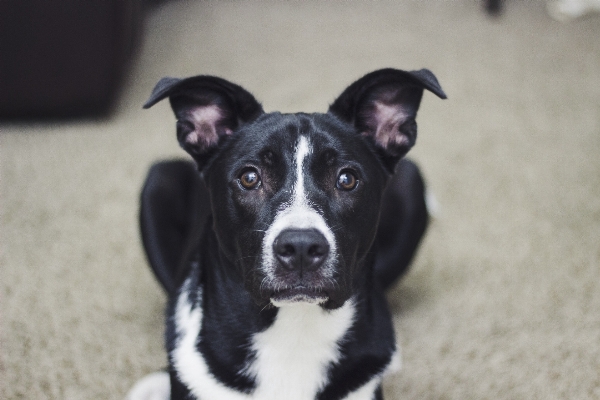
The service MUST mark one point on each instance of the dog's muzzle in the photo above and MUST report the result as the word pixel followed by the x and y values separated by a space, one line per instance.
pixel 301 255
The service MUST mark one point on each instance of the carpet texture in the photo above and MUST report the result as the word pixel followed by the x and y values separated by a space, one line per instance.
pixel 503 300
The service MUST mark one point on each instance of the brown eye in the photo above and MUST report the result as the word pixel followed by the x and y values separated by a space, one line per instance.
pixel 250 179
pixel 346 180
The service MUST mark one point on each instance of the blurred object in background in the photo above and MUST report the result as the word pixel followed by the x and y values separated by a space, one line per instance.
pixel 64 59
pixel 493 7
pixel 568 10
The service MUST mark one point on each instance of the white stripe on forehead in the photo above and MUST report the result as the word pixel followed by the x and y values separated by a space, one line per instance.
pixel 297 214
pixel 303 149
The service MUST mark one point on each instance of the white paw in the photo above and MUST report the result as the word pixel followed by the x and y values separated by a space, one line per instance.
pixel 433 206
pixel 395 364
pixel 156 386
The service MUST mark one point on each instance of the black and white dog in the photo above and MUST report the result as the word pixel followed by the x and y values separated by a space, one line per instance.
pixel 275 256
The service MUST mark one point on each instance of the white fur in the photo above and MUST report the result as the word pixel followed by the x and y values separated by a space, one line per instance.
pixel 395 364
pixel 432 204
pixel 293 355
pixel 155 386
pixel 299 300
pixel 298 214
pixel 366 391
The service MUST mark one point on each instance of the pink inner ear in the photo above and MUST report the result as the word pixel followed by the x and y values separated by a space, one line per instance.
pixel 207 123
pixel 385 123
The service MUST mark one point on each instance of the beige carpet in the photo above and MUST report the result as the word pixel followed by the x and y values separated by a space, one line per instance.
pixel 503 301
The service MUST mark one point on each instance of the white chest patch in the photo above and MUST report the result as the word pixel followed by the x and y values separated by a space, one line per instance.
pixel 292 355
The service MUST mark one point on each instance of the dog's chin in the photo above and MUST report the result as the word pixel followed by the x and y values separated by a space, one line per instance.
pixel 298 295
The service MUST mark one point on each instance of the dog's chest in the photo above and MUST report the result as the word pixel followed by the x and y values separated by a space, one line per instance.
pixel 291 357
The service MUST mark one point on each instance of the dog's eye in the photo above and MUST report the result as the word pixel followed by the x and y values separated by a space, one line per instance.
pixel 346 180
pixel 250 179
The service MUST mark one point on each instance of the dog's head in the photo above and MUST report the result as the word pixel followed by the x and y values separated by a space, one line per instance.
pixel 295 197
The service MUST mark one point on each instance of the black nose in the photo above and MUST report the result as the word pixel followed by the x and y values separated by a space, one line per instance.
pixel 301 249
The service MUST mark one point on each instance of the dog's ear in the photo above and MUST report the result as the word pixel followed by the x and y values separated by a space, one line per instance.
pixel 383 106
pixel 207 110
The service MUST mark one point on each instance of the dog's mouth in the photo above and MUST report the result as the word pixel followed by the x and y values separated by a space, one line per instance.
pixel 298 295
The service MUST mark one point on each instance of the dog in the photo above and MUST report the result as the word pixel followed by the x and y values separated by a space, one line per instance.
pixel 275 246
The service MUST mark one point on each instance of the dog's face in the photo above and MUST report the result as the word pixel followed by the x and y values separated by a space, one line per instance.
pixel 295 206
pixel 295 197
